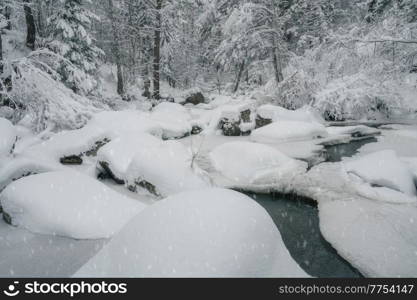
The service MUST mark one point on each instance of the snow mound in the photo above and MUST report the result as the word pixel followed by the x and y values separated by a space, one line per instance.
pixel 379 239
pixel 117 123
pixel 173 119
pixel 8 137
pixel 21 167
pixel 67 203
pixel 383 169
pixel 164 169
pixel 376 236
pixel 68 143
pixel 208 233
pixel 277 113
pixel 355 131
pixel 116 156
pixel 249 164
pixel 231 112
pixel 282 131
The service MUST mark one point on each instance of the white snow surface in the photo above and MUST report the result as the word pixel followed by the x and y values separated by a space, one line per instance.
pixel 207 233
pixel 377 237
pixel 383 169
pixel 118 153
pixel 350 130
pixel 167 166
pixel 8 137
pixel 253 165
pixel 284 131
pixel 278 113
pixel 69 204
pixel 173 118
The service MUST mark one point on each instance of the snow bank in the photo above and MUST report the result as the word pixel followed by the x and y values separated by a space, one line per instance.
pixel 383 169
pixel 68 143
pixel 21 167
pixel 282 131
pixel 8 137
pixel 250 165
pixel 67 203
pixel 164 169
pixel 116 156
pixel 277 113
pixel 209 233
pixel 173 118
pixel 354 131
pixel 117 123
pixel 379 239
pixel 376 236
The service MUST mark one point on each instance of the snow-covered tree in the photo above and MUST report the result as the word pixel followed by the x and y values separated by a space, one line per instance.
pixel 72 39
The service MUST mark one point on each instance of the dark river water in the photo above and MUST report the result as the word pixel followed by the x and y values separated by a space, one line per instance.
pixel 298 221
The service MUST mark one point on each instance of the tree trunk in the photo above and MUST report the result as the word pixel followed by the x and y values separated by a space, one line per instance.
pixel 31 27
pixel 157 52
pixel 7 14
pixel 1 55
pixel 239 76
pixel 116 50
pixel 277 67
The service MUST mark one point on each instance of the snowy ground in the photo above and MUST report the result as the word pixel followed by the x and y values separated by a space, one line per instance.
pixel 123 167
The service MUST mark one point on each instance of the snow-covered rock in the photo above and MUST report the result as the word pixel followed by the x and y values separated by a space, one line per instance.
pixel 277 113
pixel 376 235
pixel 115 157
pixel 173 119
pixel 379 239
pixel 283 131
pixel 7 137
pixel 65 144
pixel 207 233
pixel 164 169
pixel 255 166
pixel 21 167
pixel 383 169
pixel 67 203
pixel 117 123
pixel 354 131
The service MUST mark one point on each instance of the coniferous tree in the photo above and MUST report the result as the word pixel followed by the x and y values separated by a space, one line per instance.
pixel 72 39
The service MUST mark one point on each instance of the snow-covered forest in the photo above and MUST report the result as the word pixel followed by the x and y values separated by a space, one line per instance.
pixel 208 138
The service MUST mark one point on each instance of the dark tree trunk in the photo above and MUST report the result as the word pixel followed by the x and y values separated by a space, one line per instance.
pixel 116 50
pixel 1 55
pixel 7 14
pixel 277 67
pixel 31 27
pixel 157 52
pixel 239 76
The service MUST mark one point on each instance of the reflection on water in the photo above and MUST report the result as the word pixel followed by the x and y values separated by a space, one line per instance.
pixel 298 222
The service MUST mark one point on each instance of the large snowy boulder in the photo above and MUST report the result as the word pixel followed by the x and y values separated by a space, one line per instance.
pixel 22 167
pixel 117 123
pixel 164 169
pixel 207 233
pixel 255 166
pixel 383 169
pixel 268 113
pixel 67 203
pixel 173 118
pixel 8 137
pixel 115 157
pixel 68 147
pixel 379 239
pixel 377 235
pixel 284 131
